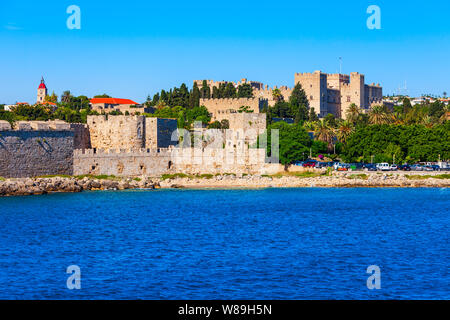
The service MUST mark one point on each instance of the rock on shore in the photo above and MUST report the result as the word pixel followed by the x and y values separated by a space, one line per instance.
pixel 34 186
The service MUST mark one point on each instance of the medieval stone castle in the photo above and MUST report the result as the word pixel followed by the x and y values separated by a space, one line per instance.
pixel 326 93
pixel 125 146
pixel 134 145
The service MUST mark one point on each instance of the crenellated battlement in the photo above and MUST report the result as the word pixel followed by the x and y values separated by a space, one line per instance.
pixel 155 162
pixel 225 100
pixel 35 126
pixel 127 152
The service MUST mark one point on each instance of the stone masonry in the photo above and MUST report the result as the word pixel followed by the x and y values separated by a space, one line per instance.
pixel 220 107
pixel 36 149
pixel 130 132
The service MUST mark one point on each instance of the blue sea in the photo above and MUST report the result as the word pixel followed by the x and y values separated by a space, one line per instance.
pixel 307 243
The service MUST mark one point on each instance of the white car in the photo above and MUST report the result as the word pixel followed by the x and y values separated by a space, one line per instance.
pixel 394 167
pixel 384 166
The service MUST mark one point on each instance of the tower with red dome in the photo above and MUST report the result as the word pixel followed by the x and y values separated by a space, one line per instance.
pixel 42 92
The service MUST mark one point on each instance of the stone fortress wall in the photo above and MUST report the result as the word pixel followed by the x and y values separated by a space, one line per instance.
pixel 124 146
pixel 220 107
pixel 36 148
pixel 326 93
pixel 154 153
pixel 152 162
pixel 130 132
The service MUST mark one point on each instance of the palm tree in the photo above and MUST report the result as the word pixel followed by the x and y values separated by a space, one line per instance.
pixel 353 113
pixel 324 132
pixel 276 94
pixel 427 122
pixel 161 105
pixel 378 115
pixel 446 115
pixel 309 125
pixel 344 130
pixel 65 97
pixel 416 115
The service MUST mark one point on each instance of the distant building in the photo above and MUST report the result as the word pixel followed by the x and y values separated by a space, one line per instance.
pixel 108 105
pixel 326 93
pixel 335 93
pixel 41 92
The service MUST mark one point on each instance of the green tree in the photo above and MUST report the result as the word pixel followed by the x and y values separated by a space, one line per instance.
pixel 229 91
pixel 66 96
pixel 194 99
pixel 299 103
pixel 52 98
pixel 313 115
pixel 205 91
pixel 102 96
pixel 245 90
pixel 378 115
pixel 294 142
pixel 353 113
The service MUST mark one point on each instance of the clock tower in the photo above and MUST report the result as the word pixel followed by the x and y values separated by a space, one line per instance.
pixel 42 92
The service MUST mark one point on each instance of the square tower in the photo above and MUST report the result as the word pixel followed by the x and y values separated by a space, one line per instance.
pixel 42 92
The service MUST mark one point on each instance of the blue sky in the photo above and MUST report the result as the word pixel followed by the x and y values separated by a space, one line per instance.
pixel 130 49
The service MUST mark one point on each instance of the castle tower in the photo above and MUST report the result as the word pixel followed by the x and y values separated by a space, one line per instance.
pixel 315 87
pixel 42 92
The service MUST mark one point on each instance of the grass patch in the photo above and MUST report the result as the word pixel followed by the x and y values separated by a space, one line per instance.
pixel 306 174
pixel 55 176
pixel 204 176
pixel 427 176
pixel 2 179
pixel 362 176
pixel 99 177
pixel 137 179
pixel 229 174
pixel 168 176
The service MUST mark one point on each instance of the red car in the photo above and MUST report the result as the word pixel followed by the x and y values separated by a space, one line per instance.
pixel 309 164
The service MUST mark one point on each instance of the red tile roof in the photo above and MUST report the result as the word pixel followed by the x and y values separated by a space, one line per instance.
pixel 112 101
pixel 48 102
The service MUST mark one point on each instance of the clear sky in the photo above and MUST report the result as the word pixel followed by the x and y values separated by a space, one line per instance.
pixel 129 49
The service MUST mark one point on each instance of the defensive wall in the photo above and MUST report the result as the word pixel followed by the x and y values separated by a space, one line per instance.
pixel 220 107
pixel 130 132
pixel 35 149
pixel 155 162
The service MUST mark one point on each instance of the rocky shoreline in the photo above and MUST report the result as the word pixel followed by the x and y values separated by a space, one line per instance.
pixel 37 186
pixel 336 180
pixel 44 185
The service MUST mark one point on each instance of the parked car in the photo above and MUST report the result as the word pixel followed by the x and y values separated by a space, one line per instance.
pixel 342 167
pixel 309 163
pixel 416 167
pixel 370 167
pixel 394 167
pixel 436 167
pixel 356 166
pixel 405 167
pixel 320 165
pixel 383 166
pixel 428 168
